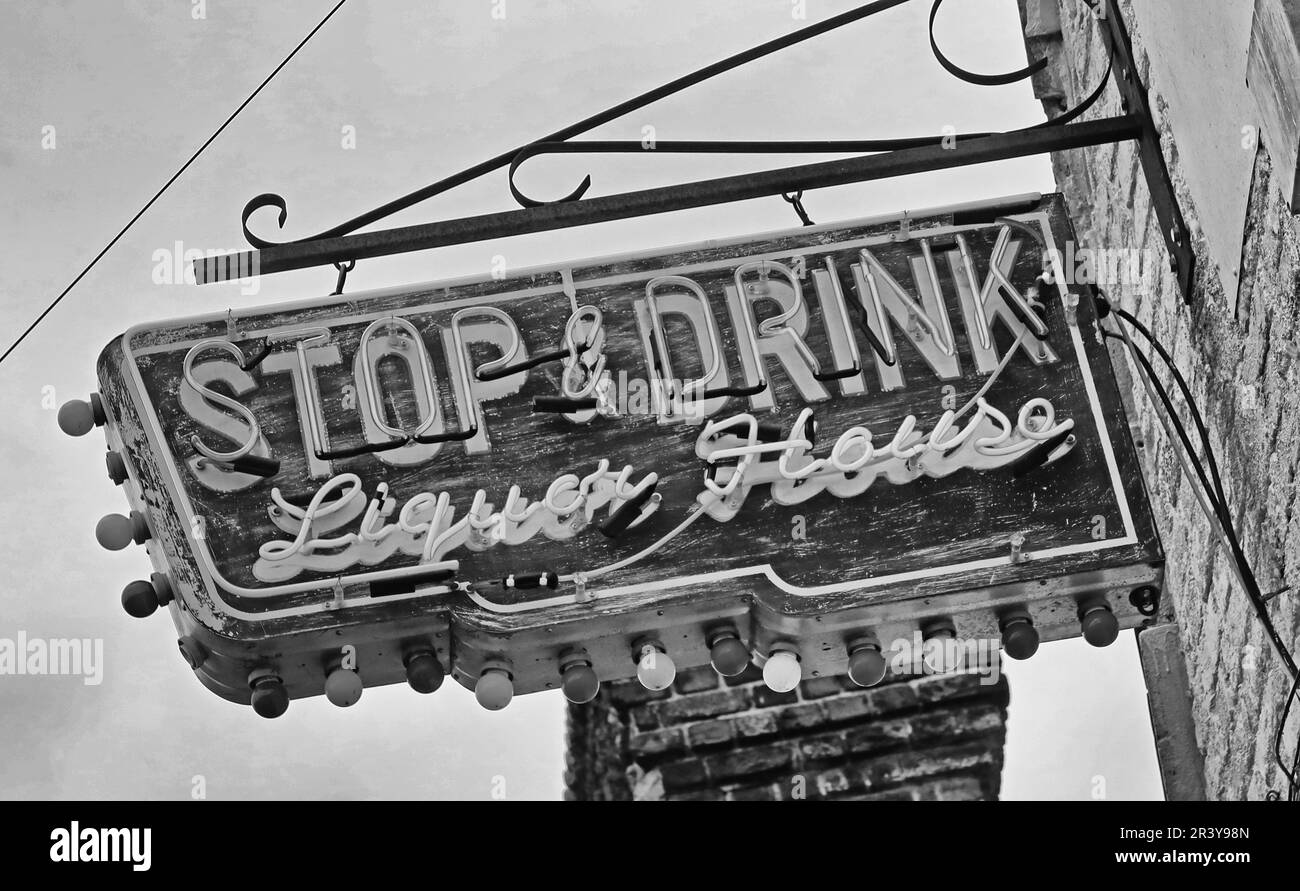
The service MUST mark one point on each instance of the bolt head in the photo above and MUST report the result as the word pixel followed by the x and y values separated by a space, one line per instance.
pixel 116 468
pixel 192 652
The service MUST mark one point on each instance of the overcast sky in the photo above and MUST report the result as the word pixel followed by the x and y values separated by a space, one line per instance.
pixel 132 87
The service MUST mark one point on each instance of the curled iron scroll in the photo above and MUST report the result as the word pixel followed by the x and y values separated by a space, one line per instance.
pixel 558 141
pixel 970 77
pixel 825 147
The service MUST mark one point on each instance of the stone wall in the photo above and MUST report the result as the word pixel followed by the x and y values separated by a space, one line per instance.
pixel 1242 360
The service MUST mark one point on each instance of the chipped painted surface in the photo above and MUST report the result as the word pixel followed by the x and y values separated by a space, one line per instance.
pixel 891 556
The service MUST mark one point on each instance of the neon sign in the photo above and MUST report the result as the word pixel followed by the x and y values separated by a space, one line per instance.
pixel 864 419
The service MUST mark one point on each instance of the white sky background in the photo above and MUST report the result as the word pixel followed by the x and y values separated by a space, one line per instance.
pixel 134 86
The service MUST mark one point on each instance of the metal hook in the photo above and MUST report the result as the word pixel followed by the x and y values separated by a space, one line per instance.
pixel 796 201
pixel 257 359
pixel 1267 597
pixel 344 269
pixel 367 449
pixel 570 351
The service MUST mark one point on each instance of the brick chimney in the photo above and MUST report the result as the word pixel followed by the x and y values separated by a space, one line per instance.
pixel 929 738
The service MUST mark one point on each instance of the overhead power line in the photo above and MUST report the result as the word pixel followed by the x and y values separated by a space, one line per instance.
pixel 150 203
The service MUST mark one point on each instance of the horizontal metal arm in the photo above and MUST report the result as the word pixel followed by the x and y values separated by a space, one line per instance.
pixel 706 193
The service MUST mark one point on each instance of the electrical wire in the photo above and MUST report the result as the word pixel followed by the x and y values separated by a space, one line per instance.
pixel 1174 430
pixel 993 378
pixel 699 511
pixel 646 552
pixel 1246 574
pixel 1220 518
pixel 1293 775
pixel 1197 419
pixel 177 175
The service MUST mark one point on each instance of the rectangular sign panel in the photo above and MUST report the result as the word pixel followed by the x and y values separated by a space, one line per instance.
pixel 849 429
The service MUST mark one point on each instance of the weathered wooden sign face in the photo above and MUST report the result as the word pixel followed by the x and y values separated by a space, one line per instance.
pixel 849 423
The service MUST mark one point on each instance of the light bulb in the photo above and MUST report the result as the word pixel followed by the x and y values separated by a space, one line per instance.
pixel 940 651
pixel 114 532
pixel 782 672
pixel 424 672
pixel 77 418
pixel 866 664
pixel 494 689
pixel 343 687
pixel 269 698
pixel 1019 637
pixel 139 599
pixel 728 655
pixel 1100 627
pixel 579 682
pixel 655 670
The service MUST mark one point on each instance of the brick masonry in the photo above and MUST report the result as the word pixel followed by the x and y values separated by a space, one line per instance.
pixel 708 738
pixel 1241 358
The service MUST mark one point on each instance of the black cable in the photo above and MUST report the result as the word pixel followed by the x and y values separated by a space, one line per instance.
pixel 1248 577
pixel 150 203
pixel 1187 396
pixel 1292 775
pixel 1176 422
pixel 1253 590
pixel 1238 553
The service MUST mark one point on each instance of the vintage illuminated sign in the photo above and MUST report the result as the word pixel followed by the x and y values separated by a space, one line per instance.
pixel 808 438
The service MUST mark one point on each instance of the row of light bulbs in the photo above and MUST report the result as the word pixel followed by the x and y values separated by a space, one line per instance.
pixel 656 670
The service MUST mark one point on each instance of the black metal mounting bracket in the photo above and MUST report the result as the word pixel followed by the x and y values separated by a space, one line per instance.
pixel 1136 101
pixel 887 159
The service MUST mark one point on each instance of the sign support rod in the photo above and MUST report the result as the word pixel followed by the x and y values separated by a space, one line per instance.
pixel 886 165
